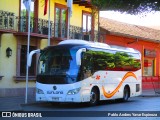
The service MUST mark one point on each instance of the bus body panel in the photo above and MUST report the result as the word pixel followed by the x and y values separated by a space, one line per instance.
pixel 111 83
pixel 102 79
pixel 58 95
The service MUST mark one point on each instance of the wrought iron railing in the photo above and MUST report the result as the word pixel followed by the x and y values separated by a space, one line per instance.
pixel 75 32
pixel 41 26
pixel 7 20
pixel 37 25
pixel 58 30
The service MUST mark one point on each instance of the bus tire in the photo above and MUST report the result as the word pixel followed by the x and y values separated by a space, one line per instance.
pixel 126 94
pixel 94 97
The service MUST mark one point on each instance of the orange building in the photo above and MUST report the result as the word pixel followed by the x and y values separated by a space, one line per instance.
pixel 145 40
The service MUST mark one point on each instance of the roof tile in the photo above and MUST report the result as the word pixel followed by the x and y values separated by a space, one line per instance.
pixel 129 30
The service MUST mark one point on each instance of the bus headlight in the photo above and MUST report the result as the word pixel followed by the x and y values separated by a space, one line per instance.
pixel 39 91
pixel 73 91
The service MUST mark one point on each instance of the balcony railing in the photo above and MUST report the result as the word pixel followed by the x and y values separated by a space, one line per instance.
pixel 8 21
pixel 39 26
pixel 58 30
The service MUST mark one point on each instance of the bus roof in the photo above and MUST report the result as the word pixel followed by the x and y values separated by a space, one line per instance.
pixel 97 45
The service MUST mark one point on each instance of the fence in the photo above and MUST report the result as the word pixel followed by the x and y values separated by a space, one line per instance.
pixel 7 20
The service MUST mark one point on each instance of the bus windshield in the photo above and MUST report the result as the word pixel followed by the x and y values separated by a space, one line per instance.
pixel 57 65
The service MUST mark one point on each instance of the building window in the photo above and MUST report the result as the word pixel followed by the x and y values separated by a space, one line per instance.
pixel 87 22
pixel 24 16
pixel 23 61
pixel 148 67
pixel 60 20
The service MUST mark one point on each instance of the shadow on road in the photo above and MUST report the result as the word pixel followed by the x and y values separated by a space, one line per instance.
pixel 80 105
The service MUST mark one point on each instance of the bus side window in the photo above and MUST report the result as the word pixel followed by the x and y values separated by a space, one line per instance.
pixel 103 60
pixel 87 64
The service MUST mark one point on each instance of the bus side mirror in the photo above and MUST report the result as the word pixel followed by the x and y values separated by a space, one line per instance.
pixel 78 55
pixel 30 56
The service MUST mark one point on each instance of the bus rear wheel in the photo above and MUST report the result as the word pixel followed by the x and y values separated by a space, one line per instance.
pixel 94 97
pixel 126 94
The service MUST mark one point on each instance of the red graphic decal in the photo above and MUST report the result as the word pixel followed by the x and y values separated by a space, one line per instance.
pixel 98 77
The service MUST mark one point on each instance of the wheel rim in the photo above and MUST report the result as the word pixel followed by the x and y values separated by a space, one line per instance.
pixel 93 97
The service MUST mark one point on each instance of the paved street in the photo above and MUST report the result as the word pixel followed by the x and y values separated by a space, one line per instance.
pixel 141 104
pixel 134 104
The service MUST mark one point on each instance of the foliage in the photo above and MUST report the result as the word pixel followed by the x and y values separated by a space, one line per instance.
pixel 128 6
pixel 100 60
pixel 24 13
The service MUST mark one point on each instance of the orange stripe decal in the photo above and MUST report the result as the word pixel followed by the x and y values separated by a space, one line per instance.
pixel 109 95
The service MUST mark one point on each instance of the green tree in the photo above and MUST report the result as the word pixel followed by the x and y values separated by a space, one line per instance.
pixel 100 60
pixel 128 6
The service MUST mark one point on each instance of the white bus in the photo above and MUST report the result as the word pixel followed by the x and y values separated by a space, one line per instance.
pixel 82 71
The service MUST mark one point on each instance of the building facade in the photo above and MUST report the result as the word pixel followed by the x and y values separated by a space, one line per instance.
pixel 14 31
pixel 145 40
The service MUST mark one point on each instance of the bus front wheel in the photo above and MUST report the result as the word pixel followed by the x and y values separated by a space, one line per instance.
pixel 94 97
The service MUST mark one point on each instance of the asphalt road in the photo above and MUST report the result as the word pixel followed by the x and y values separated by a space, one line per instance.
pixel 134 104
pixel 137 105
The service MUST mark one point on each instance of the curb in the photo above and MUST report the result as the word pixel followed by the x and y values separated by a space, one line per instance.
pixel 19 108
pixel 32 103
pixel 150 95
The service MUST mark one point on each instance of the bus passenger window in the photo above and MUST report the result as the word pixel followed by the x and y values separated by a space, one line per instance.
pixel 87 64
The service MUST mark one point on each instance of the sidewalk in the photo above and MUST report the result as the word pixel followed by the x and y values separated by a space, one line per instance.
pixel 14 103
pixel 149 93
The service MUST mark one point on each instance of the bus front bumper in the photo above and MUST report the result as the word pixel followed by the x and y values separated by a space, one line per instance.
pixel 68 98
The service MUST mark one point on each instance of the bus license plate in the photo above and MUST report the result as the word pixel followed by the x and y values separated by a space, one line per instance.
pixel 55 98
